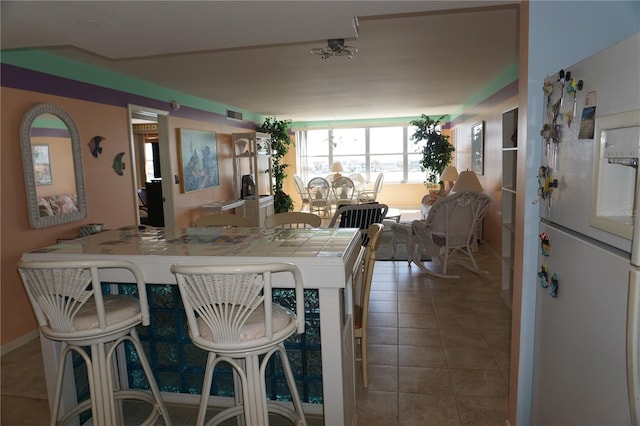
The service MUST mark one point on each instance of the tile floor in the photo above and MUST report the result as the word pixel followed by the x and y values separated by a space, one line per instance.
pixel 438 354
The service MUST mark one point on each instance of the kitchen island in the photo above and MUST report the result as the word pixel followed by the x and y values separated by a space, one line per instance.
pixel 328 259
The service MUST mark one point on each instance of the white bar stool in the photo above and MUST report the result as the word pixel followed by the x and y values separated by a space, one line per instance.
pixel 230 314
pixel 67 299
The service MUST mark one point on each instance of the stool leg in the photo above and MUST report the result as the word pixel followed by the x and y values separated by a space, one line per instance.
pixel 295 397
pixel 160 406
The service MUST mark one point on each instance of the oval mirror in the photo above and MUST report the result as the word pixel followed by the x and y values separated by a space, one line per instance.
pixel 52 165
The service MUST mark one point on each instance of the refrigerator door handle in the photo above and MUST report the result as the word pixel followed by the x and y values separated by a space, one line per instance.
pixel 633 346
pixel 635 241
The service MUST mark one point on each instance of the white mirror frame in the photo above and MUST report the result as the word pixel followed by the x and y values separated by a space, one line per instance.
pixel 35 219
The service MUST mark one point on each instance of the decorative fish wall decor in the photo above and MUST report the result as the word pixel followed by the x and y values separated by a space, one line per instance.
pixel 94 145
pixel 118 164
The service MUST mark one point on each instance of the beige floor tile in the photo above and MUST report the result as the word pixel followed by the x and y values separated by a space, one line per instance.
pixel 463 338
pixel 417 320
pixel 377 408
pixel 433 381
pixel 383 378
pixel 383 319
pixel 427 410
pixel 383 355
pixel 383 335
pixel 419 337
pixel 489 383
pixel 421 356
pixel 482 411
pixel 470 358
pixel 383 306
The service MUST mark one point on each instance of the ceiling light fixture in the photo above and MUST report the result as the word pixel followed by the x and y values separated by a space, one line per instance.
pixel 335 47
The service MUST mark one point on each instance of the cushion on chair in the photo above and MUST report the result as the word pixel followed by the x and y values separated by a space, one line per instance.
pixel 118 308
pixel 254 328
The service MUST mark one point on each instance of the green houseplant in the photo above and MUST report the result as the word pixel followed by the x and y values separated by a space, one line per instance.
pixel 280 143
pixel 436 151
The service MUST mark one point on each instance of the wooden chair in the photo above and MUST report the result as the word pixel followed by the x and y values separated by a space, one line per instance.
pixel 222 220
pixel 368 196
pixel 361 297
pixel 293 220
pixel 231 315
pixel 449 230
pixel 319 195
pixel 359 216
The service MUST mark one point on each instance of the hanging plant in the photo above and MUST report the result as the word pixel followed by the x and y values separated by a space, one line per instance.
pixel 437 151
pixel 280 143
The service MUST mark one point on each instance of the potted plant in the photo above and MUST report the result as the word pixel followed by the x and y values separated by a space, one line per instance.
pixel 280 142
pixel 437 151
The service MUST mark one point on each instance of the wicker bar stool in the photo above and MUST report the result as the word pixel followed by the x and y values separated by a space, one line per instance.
pixel 67 299
pixel 230 314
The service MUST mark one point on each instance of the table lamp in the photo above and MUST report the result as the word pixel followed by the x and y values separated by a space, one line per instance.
pixel 337 168
pixel 467 181
pixel 449 174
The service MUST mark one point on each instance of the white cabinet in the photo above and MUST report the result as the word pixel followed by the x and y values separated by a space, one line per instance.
pixel 252 175
pixel 509 171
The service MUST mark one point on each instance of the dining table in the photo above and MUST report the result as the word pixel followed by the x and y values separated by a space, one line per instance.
pixel 329 260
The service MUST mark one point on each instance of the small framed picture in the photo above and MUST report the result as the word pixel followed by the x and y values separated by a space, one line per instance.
pixel 477 148
pixel 41 164
pixel 198 159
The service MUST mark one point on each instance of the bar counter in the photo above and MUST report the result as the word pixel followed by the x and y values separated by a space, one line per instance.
pixel 328 260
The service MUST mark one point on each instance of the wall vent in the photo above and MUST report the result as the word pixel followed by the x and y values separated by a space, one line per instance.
pixel 234 115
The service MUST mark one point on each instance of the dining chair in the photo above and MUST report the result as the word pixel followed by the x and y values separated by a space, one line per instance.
pixel 303 192
pixel 293 220
pixel 449 230
pixel 360 216
pixel 211 220
pixel 231 315
pixel 361 297
pixel 319 195
pixel 368 196
pixel 343 190
pixel 67 299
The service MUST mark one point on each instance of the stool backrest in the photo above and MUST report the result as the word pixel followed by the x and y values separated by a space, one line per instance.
pixel 58 290
pixel 222 298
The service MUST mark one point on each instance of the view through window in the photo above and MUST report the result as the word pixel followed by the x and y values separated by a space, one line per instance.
pixel 364 150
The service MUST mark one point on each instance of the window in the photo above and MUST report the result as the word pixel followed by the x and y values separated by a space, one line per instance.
pixel 364 150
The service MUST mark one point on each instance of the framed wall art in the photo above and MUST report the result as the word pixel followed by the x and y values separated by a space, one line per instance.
pixel 477 148
pixel 198 159
pixel 42 164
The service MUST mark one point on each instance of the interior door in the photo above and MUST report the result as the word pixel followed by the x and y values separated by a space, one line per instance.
pixel 161 200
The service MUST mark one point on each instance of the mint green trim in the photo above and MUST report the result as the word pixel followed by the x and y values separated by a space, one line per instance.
pixel 52 64
pixel 510 75
pixel 42 122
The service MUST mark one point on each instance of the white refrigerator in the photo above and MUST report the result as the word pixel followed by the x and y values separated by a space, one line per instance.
pixel 586 365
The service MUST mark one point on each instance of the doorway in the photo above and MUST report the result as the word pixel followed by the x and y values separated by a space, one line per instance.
pixel 151 161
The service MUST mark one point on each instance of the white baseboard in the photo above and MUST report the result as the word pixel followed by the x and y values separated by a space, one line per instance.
pixel 20 341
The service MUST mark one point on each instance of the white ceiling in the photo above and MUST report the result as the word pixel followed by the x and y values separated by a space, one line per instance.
pixel 414 56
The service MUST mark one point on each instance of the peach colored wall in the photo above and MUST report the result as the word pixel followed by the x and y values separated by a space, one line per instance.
pixel 110 197
pixel 187 205
pixel 491 180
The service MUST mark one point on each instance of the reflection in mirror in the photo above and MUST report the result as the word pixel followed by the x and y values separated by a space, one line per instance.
pixel 52 166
